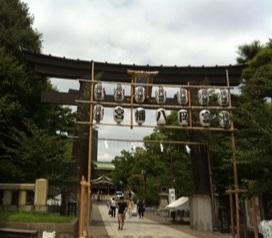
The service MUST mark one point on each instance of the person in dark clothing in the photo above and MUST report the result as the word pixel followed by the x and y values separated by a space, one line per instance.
pixel 173 215
pixel 122 209
pixel 141 208
pixel 113 207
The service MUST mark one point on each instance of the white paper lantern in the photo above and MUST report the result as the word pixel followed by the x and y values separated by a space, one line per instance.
pixel 205 117
pixel 203 96
pixel 140 94
pixel 161 116
pixel 182 96
pixel 183 117
pixel 118 114
pixel 140 115
pixel 223 97
pixel 99 91
pixel 119 93
pixel 98 113
pixel 161 147
pixel 160 95
pixel 224 119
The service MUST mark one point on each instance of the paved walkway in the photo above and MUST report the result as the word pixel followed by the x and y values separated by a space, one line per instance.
pixel 134 227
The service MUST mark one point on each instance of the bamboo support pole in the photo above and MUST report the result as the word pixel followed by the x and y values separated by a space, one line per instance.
pixel 255 225
pixel 158 84
pixel 131 105
pixel 234 163
pixel 82 208
pixel 90 152
pixel 231 215
pixel 86 211
pixel 158 127
pixel 154 141
pixel 237 206
pixel 166 106
pixel 211 187
pixel 233 191
pixel 190 106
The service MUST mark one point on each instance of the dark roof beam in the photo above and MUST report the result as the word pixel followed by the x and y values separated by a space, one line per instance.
pixel 77 69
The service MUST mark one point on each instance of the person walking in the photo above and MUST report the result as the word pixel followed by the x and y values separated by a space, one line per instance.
pixel 109 206
pixel 113 207
pixel 141 208
pixel 130 207
pixel 122 209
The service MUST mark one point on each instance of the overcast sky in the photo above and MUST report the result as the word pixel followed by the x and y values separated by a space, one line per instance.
pixel 154 32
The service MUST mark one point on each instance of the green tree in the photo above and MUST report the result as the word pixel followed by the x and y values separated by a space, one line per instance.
pixel 16 28
pixel 123 168
pixel 34 148
pixel 248 51
pixel 19 88
pixel 29 146
pixel 253 118
pixel 150 169
pixel 255 114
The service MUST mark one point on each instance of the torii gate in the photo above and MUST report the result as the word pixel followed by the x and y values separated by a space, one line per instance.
pixel 191 76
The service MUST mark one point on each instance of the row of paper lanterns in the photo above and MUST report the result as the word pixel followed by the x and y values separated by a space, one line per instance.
pixel 160 95
pixel 205 116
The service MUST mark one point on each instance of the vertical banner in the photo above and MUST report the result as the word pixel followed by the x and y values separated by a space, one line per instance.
pixel 172 195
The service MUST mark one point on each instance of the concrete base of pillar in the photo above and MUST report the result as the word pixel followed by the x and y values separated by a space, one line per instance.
pixel 25 208
pixel 163 200
pixel 41 208
pixel 201 213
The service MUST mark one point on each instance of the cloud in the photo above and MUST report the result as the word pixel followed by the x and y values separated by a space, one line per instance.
pixel 176 32
pixel 151 32
pixel 104 156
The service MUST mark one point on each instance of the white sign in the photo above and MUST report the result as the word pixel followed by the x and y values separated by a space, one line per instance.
pixel 172 195
pixel 47 234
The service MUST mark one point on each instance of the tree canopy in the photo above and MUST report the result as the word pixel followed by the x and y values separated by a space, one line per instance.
pixel 29 145
pixel 253 117
pixel 148 170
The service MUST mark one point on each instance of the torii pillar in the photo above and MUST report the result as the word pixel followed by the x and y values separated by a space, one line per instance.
pixel 201 217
